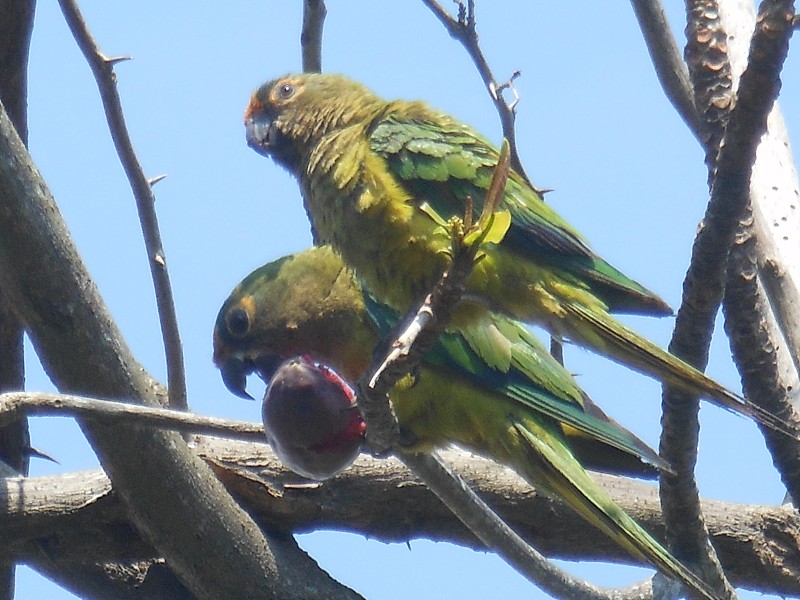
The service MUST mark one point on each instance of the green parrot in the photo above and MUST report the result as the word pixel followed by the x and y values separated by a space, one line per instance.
pixel 381 179
pixel 490 387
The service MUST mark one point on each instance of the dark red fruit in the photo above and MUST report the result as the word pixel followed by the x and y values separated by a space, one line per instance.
pixel 310 419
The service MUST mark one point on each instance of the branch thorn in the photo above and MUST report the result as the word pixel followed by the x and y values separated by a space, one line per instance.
pixel 112 60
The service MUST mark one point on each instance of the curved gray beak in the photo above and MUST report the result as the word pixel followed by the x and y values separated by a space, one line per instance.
pixel 234 373
pixel 260 134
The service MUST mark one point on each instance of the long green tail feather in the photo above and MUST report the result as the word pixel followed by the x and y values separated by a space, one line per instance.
pixel 565 475
pixel 604 334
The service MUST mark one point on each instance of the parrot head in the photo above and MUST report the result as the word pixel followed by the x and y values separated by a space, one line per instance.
pixel 310 419
pixel 302 304
pixel 238 350
pixel 286 116
pixel 287 321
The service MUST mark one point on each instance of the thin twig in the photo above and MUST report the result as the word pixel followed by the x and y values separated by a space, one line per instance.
pixel 495 533
pixel 15 404
pixel 463 29
pixel 103 70
pixel 314 12
pixel 417 334
pixel 670 68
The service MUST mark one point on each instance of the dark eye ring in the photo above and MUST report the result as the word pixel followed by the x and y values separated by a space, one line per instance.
pixel 286 91
pixel 238 322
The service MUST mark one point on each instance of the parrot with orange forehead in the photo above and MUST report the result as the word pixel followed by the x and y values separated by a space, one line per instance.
pixel 380 182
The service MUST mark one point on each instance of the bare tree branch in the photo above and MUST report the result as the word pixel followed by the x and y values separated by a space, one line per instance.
pixel 103 70
pixel 149 579
pixel 755 352
pixel 495 534
pixel 781 291
pixel 710 71
pixel 702 293
pixel 314 12
pixel 15 404
pixel 210 542
pixel 772 218
pixel 773 189
pixel 403 355
pixel 706 54
pixel 766 540
pixel 463 30
pixel 759 546
pixel 774 184
pixel 16 26
pixel 669 66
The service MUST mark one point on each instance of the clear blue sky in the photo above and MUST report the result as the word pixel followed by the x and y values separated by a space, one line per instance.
pixel 593 125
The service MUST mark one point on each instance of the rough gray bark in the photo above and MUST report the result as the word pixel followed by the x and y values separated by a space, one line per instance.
pixel 210 542
pixel 16 26
pixel 758 545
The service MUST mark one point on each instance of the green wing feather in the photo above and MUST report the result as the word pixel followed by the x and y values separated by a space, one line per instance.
pixel 559 472
pixel 442 162
pixel 506 357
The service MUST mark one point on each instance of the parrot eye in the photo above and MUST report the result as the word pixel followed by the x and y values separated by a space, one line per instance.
pixel 286 91
pixel 238 322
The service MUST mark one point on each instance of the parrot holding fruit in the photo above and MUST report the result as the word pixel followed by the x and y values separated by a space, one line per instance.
pixel 381 180
pixel 489 387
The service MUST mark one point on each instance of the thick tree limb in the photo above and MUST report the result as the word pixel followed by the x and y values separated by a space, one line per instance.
pixel 704 281
pixel 16 26
pixel 149 579
pixel 73 529
pixel 142 187
pixel 207 539
pixel 741 533
pixel 759 546
pixel 774 222
pixel 752 339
